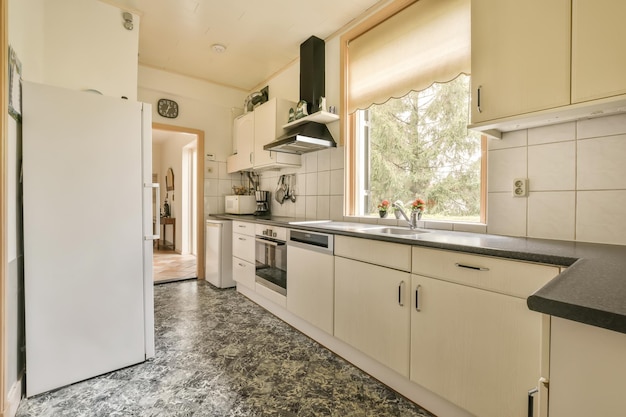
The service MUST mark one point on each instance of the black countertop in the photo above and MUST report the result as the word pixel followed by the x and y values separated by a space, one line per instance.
pixel 592 290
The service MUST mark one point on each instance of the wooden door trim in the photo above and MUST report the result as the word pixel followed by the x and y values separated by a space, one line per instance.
pixel 4 111
pixel 199 189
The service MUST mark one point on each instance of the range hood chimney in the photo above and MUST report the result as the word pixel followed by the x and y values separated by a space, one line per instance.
pixel 308 136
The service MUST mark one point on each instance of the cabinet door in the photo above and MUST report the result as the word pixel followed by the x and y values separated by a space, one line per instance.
pixel 243 272
pixel 598 54
pixel 311 286
pixel 372 311
pixel 269 119
pixel 478 349
pixel 520 56
pixel 243 142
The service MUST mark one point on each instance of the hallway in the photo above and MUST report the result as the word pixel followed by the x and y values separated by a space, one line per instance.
pixel 171 266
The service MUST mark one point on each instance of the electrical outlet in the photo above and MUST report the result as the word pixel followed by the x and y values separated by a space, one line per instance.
pixel 520 187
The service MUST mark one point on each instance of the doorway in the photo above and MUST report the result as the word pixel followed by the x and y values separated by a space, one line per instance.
pixel 177 165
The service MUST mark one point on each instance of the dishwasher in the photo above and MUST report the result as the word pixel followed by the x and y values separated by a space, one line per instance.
pixel 311 277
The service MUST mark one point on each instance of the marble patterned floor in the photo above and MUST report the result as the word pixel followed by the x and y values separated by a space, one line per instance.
pixel 219 354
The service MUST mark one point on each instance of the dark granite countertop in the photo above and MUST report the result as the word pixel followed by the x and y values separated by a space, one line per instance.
pixel 592 290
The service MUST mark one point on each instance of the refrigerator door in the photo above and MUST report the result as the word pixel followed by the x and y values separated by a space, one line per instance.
pixel 88 307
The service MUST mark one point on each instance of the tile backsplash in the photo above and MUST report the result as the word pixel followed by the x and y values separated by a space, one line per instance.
pixel 577 181
pixel 319 185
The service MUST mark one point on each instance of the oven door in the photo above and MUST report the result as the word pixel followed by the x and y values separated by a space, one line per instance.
pixel 271 264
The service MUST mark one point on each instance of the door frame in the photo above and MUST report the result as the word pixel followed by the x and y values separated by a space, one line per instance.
pixel 199 188
pixel 4 111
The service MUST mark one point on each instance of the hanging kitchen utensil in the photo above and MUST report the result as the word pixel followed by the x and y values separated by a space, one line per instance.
pixel 288 185
pixel 293 189
pixel 285 189
pixel 280 192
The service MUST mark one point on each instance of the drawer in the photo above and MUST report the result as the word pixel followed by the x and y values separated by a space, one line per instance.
pixel 243 272
pixel 244 228
pixel 243 247
pixel 271 231
pixel 515 278
pixel 392 255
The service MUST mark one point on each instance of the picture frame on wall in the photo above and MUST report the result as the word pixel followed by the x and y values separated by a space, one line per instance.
pixel 15 85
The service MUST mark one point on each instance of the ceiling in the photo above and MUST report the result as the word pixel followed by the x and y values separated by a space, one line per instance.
pixel 261 36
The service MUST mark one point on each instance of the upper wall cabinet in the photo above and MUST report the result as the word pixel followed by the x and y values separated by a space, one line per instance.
pixel 524 52
pixel 598 55
pixel 520 57
pixel 254 130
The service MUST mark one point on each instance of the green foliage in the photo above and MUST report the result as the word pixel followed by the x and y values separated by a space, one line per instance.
pixel 420 147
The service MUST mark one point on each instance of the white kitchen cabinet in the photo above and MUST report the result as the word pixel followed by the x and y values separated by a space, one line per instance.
pixel 478 349
pixel 243 142
pixel 474 341
pixel 520 56
pixel 372 311
pixel 310 291
pixel 587 368
pixel 244 269
pixel 268 125
pixel 598 55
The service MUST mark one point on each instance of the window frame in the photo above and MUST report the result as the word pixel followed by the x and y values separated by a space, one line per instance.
pixel 349 121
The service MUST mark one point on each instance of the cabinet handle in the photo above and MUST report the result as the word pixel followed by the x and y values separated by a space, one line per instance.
pixel 250 157
pixel 475 268
pixel 241 225
pixel 531 401
pixel 417 297
pixel 241 265
pixel 242 238
pixel 478 99
pixel 400 291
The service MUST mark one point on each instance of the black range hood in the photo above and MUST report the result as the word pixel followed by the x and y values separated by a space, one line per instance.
pixel 308 136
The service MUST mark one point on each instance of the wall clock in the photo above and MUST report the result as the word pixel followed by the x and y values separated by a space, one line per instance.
pixel 167 108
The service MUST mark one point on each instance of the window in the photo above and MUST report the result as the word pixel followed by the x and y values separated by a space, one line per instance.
pixel 406 105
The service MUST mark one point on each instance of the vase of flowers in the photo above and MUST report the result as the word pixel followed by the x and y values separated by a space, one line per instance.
pixel 418 205
pixel 383 208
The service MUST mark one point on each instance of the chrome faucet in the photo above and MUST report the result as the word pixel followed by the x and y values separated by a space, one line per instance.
pixel 412 221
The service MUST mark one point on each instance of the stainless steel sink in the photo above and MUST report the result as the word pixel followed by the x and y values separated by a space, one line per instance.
pixel 397 231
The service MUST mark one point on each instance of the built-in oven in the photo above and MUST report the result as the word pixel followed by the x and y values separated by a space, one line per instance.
pixel 271 258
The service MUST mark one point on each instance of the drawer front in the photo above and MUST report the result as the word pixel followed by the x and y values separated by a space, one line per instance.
pixel 392 255
pixel 243 247
pixel 243 228
pixel 243 272
pixel 516 278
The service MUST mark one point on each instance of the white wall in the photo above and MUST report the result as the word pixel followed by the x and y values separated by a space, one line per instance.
pixel 577 182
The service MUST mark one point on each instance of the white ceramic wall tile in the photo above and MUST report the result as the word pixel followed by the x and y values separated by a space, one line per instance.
pixel 552 167
pixel 509 140
pixel 506 215
pixel 552 215
pixel 601 163
pixel 311 207
pixel 601 126
pixel 311 184
pixel 301 207
pixel 336 207
pixel 438 225
pixel 390 220
pixel 211 169
pixel 211 188
pixel 553 133
pixel 337 157
pixel 211 205
pixel 323 207
pixel 600 217
pixel 323 160
pixel 310 161
pixel 504 165
pixel 323 183
pixel 225 187
pixel 336 181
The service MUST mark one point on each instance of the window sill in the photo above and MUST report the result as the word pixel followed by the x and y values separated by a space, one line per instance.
pixel 422 224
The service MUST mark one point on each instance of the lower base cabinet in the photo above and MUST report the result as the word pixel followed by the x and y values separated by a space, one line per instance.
pixel 479 349
pixel 372 311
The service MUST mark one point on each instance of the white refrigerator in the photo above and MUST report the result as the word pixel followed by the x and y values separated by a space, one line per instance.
pixel 88 231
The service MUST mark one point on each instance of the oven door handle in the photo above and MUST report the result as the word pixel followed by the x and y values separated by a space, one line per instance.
pixel 269 242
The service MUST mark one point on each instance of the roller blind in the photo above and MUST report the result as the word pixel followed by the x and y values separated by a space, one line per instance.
pixel 427 42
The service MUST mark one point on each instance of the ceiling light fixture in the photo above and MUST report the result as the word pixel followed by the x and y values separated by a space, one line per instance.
pixel 128 20
pixel 218 48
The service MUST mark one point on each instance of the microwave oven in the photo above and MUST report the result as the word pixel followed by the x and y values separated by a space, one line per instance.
pixel 240 204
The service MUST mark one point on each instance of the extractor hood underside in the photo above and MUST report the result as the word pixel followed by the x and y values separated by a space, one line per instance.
pixel 307 137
